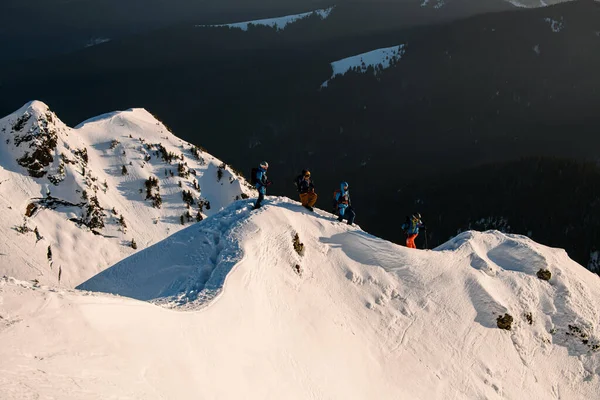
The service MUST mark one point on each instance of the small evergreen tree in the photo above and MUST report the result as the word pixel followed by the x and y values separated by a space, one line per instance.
pixel 124 170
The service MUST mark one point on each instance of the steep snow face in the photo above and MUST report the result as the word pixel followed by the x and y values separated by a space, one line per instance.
pixel 350 316
pixel 379 60
pixel 69 195
pixel 279 23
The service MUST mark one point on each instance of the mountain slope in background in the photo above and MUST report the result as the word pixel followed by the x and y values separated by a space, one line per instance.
pixel 73 200
pixel 48 27
pixel 350 316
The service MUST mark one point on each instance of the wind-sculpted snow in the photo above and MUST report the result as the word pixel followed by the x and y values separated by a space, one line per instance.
pixel 186 269
pixel 350 316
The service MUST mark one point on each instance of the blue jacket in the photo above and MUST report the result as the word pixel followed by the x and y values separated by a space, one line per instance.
pixel 261 180
pixel 412 227
pixel 342 198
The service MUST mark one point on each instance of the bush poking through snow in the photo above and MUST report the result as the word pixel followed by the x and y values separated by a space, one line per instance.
pixel 150 183
pixel 82 155
pixel 122 223
pixel 20 123
pixel 544 274
pixel 199 216
pixel 124 170
pixel 31 209
pixel 220 170
pixel 298 246
pixel 188 198
pixel 133 244
pixel 23 229
pixel 505 322
pixel 529 318
pixel 49 253
pixel 38 237
pixel 298 269
pixel 183 171
pixel 94 214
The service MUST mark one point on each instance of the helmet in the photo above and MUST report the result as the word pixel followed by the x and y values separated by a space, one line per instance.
pixel 264 165
pixel 416 216
pixel 344 186
pixel 305 172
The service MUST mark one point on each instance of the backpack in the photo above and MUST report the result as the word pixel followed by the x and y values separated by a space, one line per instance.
pixel 335 203
pixel 253 174
pixel 298 182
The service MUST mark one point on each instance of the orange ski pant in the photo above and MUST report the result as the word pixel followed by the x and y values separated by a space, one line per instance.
pixel 410 241
pixel 308 199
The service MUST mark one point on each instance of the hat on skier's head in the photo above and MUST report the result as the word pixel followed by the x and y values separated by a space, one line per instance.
pixel 305 172
pixel 344 186
pixel 264 165
pixel 416 216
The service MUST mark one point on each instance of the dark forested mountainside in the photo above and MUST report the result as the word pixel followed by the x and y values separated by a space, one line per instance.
pixel 38 28
pixel 553 201
pixel 489 89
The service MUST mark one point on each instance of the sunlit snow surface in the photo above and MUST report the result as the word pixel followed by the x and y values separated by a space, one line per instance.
pixel 379 59
pixel 351 317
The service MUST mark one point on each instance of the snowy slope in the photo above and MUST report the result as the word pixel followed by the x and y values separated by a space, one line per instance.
pixel 378 59
pixel 45 168
pixel 363 319
pixel 279 23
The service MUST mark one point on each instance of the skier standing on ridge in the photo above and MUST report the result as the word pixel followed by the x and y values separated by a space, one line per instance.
pixel 306 188
pixel 341 198
pixel 260 181
pixel 411 228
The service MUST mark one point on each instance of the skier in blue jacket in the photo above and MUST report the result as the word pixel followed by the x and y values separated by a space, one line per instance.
pixel 344 207
pixel 261 183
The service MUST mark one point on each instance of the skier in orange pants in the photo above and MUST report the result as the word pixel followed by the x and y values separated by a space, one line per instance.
pixel 306 188
pixel 411 229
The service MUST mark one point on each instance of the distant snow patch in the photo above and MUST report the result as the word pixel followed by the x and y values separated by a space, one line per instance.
pixel 530 4
pixel 380 59
pixel 437 4
pixel 96 41
pixel 555 25
pixel 279 23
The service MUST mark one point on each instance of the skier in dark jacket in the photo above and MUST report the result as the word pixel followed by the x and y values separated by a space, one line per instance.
pixel 261 183
pixel 344 207
pixel 411 229
pixel 306 188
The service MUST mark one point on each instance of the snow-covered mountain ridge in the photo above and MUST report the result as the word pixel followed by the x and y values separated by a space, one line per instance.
pixel 91 192
pixel 347 315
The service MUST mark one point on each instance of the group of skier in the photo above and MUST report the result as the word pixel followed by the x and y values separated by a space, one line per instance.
pixel 342 206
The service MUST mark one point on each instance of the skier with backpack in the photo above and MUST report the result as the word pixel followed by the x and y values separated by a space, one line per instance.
pixel 306 188
pixel 258 178
pixel 343 205
pixel 411 229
